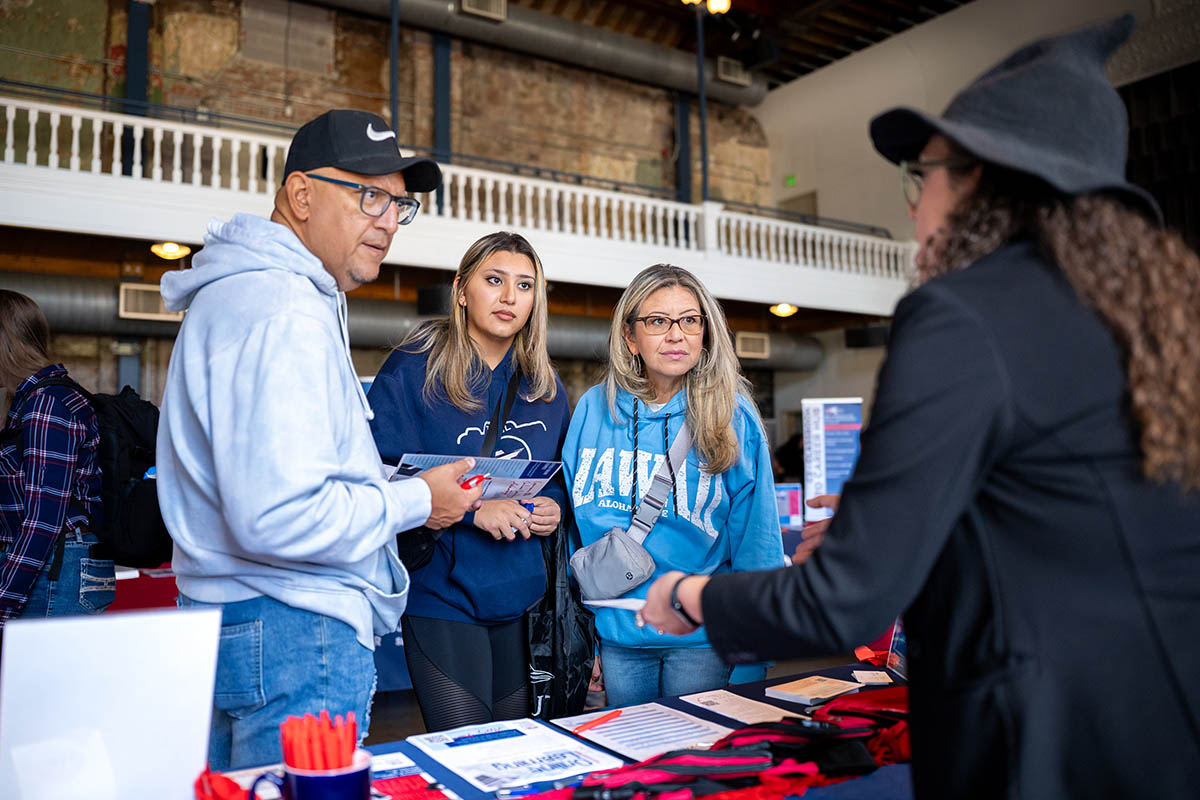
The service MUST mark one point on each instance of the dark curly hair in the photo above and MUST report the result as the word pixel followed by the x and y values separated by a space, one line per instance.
pixel 1143 281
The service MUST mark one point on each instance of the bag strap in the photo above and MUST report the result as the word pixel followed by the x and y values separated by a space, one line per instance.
pixel 503 409
pixel 650 509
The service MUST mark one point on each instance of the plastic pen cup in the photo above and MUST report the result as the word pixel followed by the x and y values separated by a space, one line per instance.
pixel 347 783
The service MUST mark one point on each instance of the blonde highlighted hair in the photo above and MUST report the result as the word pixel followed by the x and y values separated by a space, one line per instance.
pixel 712 385
pixel 455 364
pixel 24 337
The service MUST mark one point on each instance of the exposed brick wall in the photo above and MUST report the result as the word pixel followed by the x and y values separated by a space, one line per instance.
pixel 223 56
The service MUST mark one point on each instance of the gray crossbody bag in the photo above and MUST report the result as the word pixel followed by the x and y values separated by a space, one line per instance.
pixel 617 562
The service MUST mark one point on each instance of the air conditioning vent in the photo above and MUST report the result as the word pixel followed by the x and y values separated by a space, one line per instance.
pixel 492 9
pixel 143 301
pixel 731 70
pixel 752 345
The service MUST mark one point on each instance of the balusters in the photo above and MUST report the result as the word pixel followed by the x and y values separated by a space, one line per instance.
pixel 76 121
pixel 597 210
pixel 552 215
pixel 252 170
pixel 197 173
pixel 138 131
pixel 156 155
pixel 53 149
pixel 176 156
pixel 118 130
pixel 10 115
pixel 30 140
pixel 235 172
pixel 96 160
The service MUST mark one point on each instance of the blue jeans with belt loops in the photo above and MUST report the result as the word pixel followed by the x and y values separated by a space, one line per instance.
pixel 276 661
pixel 635 675
pixel 85 585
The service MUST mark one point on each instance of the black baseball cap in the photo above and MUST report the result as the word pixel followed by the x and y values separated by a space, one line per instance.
pixel 358 141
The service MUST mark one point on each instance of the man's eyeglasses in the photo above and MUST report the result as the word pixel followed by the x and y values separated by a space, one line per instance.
pixel 658 325
pixel 374 201
pixel 912 175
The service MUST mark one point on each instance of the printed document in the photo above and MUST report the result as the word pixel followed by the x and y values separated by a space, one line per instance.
pixel 734 706
pixel 503 478
pixel 647 730
pixel 512 753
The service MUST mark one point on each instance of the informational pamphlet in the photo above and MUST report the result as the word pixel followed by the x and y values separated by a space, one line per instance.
pixel 831 429
pixel 811 690
pixel 789 497
pixel 503 478
pixel 646 730
pixel 512 753
pixel 734 706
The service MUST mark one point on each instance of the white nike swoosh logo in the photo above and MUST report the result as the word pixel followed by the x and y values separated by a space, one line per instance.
pixel 377 136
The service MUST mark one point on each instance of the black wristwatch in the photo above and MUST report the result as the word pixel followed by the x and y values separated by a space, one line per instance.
pixel 677 606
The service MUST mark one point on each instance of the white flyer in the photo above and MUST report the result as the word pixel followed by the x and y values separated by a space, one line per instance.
pixel 647 730
pixel 734 706
pixel 519 752
pixel 503 478
pixel 627 603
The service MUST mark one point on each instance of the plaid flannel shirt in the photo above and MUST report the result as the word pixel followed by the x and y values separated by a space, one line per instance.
pixel 51 461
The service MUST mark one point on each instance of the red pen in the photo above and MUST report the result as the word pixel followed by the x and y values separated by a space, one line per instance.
pixel 473 481
pixel 592 723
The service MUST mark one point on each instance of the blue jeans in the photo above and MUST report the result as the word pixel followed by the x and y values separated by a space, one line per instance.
pixel 85 585
pixel 275 661
pixel 640 674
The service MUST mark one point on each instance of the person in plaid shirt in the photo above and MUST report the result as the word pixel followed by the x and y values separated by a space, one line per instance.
pixel 49 479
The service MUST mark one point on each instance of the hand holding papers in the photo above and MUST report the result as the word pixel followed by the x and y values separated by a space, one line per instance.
pixel 502 478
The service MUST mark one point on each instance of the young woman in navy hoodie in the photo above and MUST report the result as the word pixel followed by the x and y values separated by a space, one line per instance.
pixel 437 392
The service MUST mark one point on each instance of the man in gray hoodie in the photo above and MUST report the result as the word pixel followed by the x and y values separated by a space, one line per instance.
pixel 268 478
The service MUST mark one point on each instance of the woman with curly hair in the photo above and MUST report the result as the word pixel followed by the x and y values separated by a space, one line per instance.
pixel 1026 491
pixel 671 359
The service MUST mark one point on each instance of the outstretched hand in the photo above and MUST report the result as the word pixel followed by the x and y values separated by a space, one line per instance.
pixel 814 532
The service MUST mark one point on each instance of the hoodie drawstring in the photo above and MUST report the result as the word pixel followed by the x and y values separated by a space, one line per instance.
pixel 666 450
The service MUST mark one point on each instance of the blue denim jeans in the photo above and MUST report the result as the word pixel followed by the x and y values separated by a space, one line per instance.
pixel 275 661
pixel 640 674
pixel 85 585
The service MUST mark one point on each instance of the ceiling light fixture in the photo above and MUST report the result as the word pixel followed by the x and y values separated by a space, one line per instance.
pixel 784 309
pixel 170 250
pixel 714 6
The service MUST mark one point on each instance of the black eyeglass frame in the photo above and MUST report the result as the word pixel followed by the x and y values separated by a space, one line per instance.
pixel 673 321
pixel 912 173
pixel 406 207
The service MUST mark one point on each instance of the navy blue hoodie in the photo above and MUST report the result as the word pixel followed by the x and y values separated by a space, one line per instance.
pixel 472 577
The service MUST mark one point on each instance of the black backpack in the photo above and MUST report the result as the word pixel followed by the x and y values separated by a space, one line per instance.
pixel 132 533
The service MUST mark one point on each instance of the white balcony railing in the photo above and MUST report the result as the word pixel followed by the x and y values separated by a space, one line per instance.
pixel 91 171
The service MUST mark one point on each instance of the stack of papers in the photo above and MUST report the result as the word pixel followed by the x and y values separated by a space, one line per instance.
pixel 647 730
pixel 813 689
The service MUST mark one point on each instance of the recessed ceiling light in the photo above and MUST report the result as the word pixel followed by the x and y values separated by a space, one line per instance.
pixel 783 309
pixel 170 250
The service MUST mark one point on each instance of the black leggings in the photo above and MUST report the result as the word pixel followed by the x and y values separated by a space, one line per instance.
pixel 465 673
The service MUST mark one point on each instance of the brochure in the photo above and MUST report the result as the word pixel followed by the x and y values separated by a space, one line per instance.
pixel 503 478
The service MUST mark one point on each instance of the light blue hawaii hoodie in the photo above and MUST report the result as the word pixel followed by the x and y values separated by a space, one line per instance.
pixel 268 478
pixel 720 523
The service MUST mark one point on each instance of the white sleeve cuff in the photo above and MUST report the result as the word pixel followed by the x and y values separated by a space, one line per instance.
pixel 412 500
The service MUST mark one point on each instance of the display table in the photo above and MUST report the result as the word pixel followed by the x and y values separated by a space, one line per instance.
pixel 891 782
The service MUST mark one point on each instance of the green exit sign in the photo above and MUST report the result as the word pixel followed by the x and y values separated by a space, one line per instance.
pixel 789 180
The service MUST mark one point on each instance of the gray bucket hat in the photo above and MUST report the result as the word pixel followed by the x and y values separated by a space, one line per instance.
pixel 1047 110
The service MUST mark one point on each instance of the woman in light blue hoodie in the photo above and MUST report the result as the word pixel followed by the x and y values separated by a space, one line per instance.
pixel 671 358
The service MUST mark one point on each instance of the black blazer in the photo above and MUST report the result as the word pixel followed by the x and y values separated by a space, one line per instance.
pixel 1051 594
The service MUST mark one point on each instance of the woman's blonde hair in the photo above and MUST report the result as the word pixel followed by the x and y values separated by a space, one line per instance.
pixel 24 337
pixel 712 385
pixel 455 364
